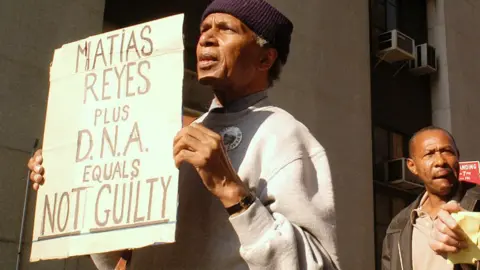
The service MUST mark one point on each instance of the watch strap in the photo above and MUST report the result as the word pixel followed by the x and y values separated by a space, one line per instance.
pixel 244 203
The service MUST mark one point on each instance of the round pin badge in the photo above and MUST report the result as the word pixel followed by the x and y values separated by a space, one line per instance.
pixel 232 137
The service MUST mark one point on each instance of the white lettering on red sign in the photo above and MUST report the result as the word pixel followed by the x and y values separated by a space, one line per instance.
pixel 468 167
pixel 469 171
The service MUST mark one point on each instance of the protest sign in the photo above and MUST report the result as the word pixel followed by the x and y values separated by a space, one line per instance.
pixel 114 107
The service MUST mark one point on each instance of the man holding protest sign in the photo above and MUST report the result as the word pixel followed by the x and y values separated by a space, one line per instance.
pixel 255 190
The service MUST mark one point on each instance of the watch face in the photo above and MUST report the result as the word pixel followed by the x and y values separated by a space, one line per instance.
pixel 247 200
pixel 243 204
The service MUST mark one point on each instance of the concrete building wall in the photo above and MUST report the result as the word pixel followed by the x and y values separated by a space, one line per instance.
pixel 453 29
pixel 462 20
pixel 29 33
pixel 326 85
pixel 439 81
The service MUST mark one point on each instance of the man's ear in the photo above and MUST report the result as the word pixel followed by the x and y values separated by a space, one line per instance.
pixel 268 57
pixel 411 166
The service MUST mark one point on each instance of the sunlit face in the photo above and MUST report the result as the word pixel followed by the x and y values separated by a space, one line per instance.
pixel 435 161
pixel 227 52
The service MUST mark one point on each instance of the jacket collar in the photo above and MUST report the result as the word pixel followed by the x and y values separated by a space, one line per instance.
pixel 405 217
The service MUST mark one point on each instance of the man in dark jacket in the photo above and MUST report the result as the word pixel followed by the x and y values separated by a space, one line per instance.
pixel 421 235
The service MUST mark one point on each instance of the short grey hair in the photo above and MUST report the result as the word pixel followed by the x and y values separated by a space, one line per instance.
pixel 276 69
pixel 260 41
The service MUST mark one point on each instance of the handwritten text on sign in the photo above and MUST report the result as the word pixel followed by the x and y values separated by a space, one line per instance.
pixel 114 108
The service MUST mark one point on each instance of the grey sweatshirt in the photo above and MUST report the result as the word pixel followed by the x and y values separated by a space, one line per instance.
pixel 290 226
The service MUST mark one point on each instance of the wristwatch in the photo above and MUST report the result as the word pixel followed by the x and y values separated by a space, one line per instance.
pixel 243 204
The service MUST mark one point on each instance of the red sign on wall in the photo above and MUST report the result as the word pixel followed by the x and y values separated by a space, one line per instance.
pixel 470 172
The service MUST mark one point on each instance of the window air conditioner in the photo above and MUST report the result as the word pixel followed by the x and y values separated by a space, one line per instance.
pixel 394 46
pixel 398 174
pixel 425 60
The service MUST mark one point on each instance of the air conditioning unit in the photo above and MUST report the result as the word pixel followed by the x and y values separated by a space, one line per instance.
pixel 425 61
pixel 394 46
pixel 398 174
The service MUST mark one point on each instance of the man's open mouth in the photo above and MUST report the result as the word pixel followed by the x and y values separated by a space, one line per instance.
pixel 206 60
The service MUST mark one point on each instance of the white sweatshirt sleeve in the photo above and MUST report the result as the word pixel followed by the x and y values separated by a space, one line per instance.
pixel 292 224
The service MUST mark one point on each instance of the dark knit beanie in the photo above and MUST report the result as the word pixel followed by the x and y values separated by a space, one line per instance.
pixel 262 18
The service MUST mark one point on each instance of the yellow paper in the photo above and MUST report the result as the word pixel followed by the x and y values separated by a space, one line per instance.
pixel 470 224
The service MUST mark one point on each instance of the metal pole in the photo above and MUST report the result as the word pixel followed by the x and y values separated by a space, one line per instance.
pixel 25 201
